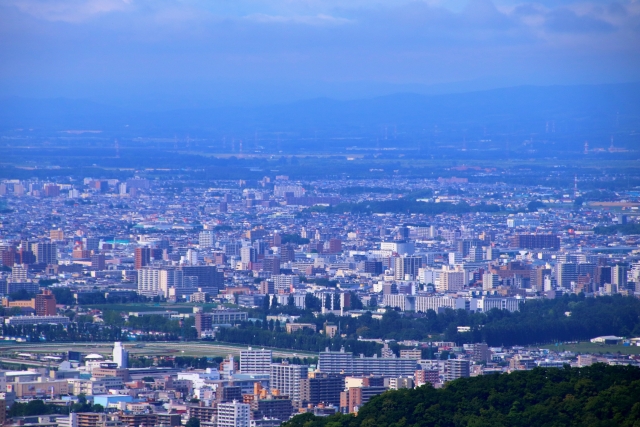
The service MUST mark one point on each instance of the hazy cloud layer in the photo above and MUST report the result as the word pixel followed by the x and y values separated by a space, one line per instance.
pixel 100 48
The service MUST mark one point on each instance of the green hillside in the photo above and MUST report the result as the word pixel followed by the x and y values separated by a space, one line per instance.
pixel 599 395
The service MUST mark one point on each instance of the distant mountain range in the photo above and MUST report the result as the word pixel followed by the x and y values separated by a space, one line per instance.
pixel 566 113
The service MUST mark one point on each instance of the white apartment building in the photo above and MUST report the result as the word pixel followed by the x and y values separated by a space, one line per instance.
pixel 451 281
pixel 286 378
pixel 284 282
pixel 233 414
pixel 255 361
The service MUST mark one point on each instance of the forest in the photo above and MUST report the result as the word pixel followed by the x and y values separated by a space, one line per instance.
pixel 598 395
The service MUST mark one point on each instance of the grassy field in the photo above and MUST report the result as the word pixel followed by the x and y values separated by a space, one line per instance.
pixel 193 348
pixel 180 308
pixel 588 347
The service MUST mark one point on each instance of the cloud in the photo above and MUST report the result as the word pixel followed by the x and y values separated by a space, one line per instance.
pixel 567 21
pixel 320 19
pixel 70 10
pixel 208 42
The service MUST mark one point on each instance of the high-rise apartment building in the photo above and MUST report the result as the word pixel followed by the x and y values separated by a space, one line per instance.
pixel 456 368
pixel 46 253
pixel 142 257
pixel 286 377
pixel 206 239
pixel 407 266
pixel 45 303
pixel 149 282
pixel 233 414
pixel 255 361
pixel 536 241
pixel 451 280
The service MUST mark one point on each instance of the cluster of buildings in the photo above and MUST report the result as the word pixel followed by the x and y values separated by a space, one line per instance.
pixel 251 388
pixel 258 244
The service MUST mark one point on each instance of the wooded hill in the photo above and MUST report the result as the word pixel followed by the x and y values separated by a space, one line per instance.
pixel 599 395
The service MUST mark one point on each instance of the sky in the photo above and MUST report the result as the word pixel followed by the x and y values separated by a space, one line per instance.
pixel 162 54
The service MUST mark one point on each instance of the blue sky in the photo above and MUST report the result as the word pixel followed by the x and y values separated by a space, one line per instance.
pixel 158 54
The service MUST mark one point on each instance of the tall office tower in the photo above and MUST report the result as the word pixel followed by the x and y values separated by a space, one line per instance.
pixel 120 355
pixel 255 361
pixel 456 368
pixel 232 249
pixel 566 273
pixel 287 252
pixel 271 264
pixel 475 254
pixel 286 379
pixel 46 253
pixel 619 276
pixel 149 282
pixel 373 267
pixel 490 281
pixel 464 246
pixel 98 262
pixel 208 275
pixel 46 303
pixel 91 243
pixel 223 207
pixel 233 414
pixel 248 254
pixel 206 239
pixel 122 188
pixel 335 246
pixel 451 280
pixel 602 275
pixel 407 266
pixel 142 257
pixel 537 278
pixel 455 258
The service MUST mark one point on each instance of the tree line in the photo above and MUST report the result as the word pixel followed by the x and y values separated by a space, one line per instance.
pixel 599 395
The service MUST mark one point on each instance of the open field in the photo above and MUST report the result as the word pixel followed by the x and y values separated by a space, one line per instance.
pixel 195 349
pixel 588 347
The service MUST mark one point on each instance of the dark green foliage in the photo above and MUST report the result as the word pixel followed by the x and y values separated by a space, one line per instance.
pixel 21 295
pixel 538 322
pixel 193 422
pixel 47 282
pixel 64 296
pixel 38 407
pixel 629 228
pixel 403 206
pixel 598 395
pixel 349 191
pixel 535 205
pixel 294 238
